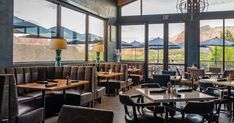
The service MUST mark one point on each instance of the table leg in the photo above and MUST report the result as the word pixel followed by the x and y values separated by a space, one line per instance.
pixel 108 87
pixel 64 96
pixel 43 105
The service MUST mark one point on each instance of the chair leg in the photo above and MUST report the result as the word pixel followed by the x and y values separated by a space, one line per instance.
pixel 99 100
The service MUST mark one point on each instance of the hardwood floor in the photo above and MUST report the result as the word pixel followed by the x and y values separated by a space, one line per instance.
pixel 112 103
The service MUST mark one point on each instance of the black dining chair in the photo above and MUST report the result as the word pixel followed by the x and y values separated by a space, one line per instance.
pixel 136 114
pixel 192 112
pixel 150 85
pixel 162 80
pixel 171 73
pixel 77 114
pixel 157 108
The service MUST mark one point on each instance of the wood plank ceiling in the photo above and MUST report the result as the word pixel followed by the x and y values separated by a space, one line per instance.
pixel 124 2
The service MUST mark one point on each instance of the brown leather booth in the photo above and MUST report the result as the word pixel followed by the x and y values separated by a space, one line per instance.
pixel 77 96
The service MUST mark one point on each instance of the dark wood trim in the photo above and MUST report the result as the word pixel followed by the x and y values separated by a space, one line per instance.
pixel 106 41
pixel 165 46
pixel 146 51
pixel 86 37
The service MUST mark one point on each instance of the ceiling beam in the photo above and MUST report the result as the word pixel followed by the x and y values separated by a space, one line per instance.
pixel 124 2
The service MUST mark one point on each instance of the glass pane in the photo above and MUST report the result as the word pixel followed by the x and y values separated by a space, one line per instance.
pixel 73 30
pixel 211 45
pixel 132 43
pixel 176 46
pixel 34 25
pixel 158 7
pixel 229 49
pixel 155 49
pixel 131 9
pixel 96 36
pixel 220 5
pixel 176 43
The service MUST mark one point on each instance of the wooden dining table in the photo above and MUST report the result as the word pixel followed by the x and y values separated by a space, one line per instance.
pixel 133 70
pixel 58 85
pixel 107 76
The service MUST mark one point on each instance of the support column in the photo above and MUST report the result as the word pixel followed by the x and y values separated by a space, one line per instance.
pixel 146 52
pixel 165 47
pixel 192 43
pixel 6 33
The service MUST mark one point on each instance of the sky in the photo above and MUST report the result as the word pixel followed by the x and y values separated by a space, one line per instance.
pixel 131 33
pixel 43 13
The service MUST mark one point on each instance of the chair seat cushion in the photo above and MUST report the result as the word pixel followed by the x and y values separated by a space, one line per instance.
pixel 78 97
pixel 189 118
pixel 35 94
pixel 146 118
pixel 29 114
pixel 140 77
pixel 24 99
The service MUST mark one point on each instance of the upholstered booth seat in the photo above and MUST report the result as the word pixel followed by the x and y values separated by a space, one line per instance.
pixel 29 114
pixel 99 92
pixel 137 77
pixel 19 113
pixel 78 97
pixel 24 99
pixel 115 83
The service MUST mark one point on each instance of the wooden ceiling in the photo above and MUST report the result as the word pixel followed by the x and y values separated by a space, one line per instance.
pixel 124 2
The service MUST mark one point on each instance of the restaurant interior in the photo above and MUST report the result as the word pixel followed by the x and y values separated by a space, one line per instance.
pixel 116 61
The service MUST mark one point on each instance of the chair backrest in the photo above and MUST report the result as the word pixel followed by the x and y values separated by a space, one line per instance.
pixel 162 80
pixel 196 73
pixel 227 72
pixel 8 98
pixel 171 73
pixel 214 92
pixel 201 108
pixel 73 114
pixel 178 71
pixel 126 100
pixel 215 70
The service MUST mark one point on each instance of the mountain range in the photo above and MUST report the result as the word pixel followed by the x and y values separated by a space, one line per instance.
pixel 206 32
pixel 31 29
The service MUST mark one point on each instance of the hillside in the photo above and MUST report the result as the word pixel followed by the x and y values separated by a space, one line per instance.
pixel 206 32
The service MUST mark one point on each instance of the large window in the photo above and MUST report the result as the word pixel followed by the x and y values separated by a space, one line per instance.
pixel 229 49
pixel 131 9
pixel 211 43
pixel 73 30
pixel 34 25
pixel 132 42
pixel 158 7
pixel 96 36
pixel 176 46
pixel 221 5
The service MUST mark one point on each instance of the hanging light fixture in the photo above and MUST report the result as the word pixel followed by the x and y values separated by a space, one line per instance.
pixel 190 8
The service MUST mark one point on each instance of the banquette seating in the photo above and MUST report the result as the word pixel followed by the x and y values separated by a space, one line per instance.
pixel 116 83
pixel 11 110
pixel 82 95
pixel 137 77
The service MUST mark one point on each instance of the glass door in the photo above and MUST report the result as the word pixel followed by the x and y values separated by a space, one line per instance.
pixel 155 49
